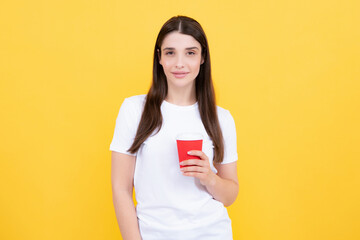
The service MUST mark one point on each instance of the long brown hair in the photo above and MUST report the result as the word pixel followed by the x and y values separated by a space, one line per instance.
pixel 151 119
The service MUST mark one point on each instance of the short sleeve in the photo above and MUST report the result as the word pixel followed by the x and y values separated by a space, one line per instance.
pixel 125 128
pixel 229 133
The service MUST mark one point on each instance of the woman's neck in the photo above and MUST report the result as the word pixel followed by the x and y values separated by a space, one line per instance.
pixel 181 97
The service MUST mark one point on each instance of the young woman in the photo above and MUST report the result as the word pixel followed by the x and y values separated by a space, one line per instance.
pixel 172 202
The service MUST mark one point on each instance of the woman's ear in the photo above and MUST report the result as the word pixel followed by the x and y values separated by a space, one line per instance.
pixel 202 60
pixel 159 55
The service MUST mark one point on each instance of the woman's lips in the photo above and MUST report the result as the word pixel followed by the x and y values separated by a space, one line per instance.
pixel 180 74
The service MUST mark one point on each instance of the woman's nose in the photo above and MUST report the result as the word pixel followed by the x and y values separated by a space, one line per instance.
pixel 179 62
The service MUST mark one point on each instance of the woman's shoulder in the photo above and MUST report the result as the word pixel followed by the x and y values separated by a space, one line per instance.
pixel 133 104
pixel 136 99
pixel 224 115
pixel 222 112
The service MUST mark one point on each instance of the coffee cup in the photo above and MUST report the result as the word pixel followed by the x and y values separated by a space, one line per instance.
pixel 187 142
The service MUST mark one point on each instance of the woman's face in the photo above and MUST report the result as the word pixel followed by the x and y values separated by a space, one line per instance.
pixel 181 59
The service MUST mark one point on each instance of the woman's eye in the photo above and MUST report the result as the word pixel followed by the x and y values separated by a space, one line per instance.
pixel 169 53
pixel 191 53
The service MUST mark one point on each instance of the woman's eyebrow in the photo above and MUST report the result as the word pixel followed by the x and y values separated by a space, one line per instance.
pixel 189 48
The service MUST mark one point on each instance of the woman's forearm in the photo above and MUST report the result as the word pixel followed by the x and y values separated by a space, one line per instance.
pixel 126 216
pixel 223 190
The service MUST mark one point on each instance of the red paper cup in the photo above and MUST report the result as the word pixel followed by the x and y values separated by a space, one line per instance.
pixel 187 142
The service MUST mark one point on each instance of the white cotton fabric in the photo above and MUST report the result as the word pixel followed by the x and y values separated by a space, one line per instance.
pixel 171 206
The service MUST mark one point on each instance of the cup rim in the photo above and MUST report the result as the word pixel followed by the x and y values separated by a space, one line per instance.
pixel 189 136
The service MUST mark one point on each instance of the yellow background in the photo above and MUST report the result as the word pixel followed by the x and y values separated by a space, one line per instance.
pixel 287 70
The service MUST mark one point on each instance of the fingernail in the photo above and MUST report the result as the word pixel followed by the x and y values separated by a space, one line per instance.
pixel 189 152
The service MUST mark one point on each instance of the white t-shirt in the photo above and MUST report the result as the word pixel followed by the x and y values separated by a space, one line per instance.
pixel 171 206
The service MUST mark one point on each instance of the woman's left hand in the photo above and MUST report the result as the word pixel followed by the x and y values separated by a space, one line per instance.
pixel 199 168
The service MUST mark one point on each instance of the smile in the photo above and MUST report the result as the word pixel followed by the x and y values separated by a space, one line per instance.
pixel 179 74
